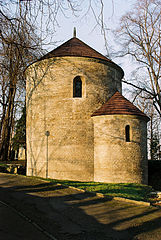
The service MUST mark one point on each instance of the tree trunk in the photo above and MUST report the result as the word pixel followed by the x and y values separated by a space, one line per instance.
pixel 7 124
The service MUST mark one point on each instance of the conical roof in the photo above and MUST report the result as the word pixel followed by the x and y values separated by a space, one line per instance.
pixel 118 104
pixel 76 48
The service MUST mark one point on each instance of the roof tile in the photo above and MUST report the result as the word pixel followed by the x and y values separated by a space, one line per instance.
pixel 118 104
pixel 76 48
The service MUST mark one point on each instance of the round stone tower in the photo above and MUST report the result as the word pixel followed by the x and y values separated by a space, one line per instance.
pixel 64 88
pixel 120 142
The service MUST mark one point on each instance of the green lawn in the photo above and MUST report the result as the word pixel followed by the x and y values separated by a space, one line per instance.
pixel 126 190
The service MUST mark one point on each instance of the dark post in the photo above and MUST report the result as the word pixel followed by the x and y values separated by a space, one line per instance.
pixel 47 133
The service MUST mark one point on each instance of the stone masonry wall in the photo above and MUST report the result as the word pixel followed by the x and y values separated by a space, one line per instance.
pixel 68 153
pixel 116 160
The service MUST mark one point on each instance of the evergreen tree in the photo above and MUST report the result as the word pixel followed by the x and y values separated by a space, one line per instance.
pixel 19 139
pixel 154 147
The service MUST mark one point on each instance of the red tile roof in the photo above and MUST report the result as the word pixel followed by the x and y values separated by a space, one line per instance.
pixel 77 48
pixel 118 104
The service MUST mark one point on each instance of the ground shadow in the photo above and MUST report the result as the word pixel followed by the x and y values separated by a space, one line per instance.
pixel 70 214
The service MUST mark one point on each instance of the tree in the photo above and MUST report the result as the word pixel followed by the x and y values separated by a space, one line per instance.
pixel 18 48
pixel 153 133
pixel 140 37
pixel 21 22
pixel 141 99
pixel 154 147
pixel 19 138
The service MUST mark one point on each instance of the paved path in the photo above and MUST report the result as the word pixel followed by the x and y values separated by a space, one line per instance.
pixel 70 214
pixel 15 227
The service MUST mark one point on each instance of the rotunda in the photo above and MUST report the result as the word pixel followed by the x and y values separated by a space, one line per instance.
pixel 65 88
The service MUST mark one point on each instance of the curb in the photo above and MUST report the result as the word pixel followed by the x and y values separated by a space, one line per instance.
pixel 132 201
pixel 114 198
pixel 74 188
pixel 102 195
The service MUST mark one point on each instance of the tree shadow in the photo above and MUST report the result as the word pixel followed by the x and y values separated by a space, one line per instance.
pixel 70 214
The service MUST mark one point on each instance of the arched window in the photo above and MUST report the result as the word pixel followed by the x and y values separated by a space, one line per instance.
pixel 77 87
pixel 127 133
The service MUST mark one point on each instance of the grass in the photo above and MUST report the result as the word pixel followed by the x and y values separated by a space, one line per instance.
pixel 3 164
pixel 133 191
pixel 3 167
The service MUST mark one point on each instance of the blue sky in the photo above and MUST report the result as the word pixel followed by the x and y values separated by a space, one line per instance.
pixel 86 29
pixel 91 34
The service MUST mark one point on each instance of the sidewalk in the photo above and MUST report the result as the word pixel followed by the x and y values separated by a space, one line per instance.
pixel 69 214
pixel 15 227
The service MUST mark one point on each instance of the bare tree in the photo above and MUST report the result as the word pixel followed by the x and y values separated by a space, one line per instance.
pixel 18 43
pixel 140 37
pixel 154 135
pixel 19 47
pixel 141 99
pixel 46 15
pixel 21 21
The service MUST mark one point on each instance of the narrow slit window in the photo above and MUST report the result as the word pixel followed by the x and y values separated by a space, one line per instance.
pixel 127 133
pixel 77 87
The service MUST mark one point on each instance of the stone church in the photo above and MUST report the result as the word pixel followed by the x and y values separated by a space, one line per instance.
pixel 79 126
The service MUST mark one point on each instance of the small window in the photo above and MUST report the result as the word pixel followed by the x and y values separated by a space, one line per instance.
pixel 127 133
pixel 77 87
